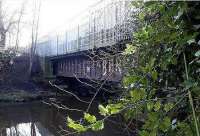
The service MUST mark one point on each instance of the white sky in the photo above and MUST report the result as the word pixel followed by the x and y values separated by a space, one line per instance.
pixel 54 14
pixel 57 13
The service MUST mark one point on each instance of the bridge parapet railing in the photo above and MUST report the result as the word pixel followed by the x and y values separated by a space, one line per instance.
pixel 105 25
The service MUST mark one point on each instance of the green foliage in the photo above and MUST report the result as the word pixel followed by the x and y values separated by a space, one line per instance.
pixel 114 108
pixel 184 129
pixel 165 125
pixel 103 111
pixel 150 105
pixel 156 90
pixel 99 125
pixel 157 106
pixel 197 54
pixel 89 118
pixel 110 109
pixel 76 126
pixel 129 49
pixel 92 123
pixel 168 107
pixel 137 94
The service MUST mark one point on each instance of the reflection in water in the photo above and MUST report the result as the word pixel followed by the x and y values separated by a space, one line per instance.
pixel 38 119
pixel 26 129
pixel 33 119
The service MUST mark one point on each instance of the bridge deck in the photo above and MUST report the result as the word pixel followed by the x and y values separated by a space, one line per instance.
pixel 109 23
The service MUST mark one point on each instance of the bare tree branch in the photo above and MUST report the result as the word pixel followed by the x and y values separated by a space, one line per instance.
pixel 67 92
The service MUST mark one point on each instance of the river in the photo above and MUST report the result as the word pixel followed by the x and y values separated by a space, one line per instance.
pixel 41 119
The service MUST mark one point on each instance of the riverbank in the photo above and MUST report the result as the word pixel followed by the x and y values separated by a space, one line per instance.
pixel 24 96
pixel 25 90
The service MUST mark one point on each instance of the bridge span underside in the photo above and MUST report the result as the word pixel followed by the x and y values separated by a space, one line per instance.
pixel 107 24
pixel 83 65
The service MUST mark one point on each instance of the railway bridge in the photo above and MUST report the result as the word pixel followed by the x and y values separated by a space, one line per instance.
pixel 89 45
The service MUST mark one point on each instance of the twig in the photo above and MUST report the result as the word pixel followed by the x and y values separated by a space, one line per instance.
pixel 95 96
pixel 68 92
pixel 98 90
pixel 190 97
pixel 65 107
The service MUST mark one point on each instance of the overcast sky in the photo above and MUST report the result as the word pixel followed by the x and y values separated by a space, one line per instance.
pixel 57 13
pixel 54 14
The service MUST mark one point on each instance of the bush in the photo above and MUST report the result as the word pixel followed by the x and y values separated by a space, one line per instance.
pixel 164 88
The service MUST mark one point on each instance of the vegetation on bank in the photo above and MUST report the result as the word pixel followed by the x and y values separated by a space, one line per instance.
pixel 18 96
pixel 161 94
pixel 5 63
pixel 15 83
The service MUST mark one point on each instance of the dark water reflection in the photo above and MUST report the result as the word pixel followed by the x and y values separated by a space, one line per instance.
pixel 39 119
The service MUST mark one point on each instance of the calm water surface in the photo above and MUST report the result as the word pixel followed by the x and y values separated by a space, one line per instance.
pixel 39 119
